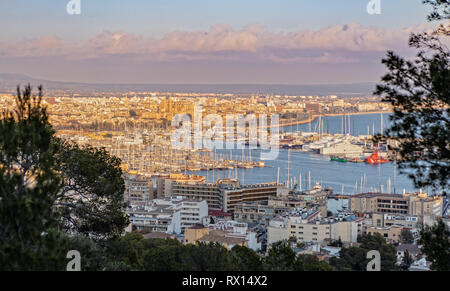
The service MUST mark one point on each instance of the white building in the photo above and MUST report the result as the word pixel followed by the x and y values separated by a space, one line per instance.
pixel 238 230
pixel 169 215
pixel 308 226
pixel 344 148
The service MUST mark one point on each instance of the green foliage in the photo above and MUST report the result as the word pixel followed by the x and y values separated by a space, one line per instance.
pixel 92 254
pixel 208 257
pixel 245 259
pixel 43 182
pixel 280 258
pixel 129 249
pixel 435 241
pixel 311 263
pixel 165 255
pixel 29 184
pixel 92 192
pixel 419 92
pixel 406 237
pixel 354 258
pixel 441 9
pixel 350 259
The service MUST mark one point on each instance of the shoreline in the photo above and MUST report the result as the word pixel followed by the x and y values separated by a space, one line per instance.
pixel 315 116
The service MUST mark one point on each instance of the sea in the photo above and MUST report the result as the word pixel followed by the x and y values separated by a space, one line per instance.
pixel 343 178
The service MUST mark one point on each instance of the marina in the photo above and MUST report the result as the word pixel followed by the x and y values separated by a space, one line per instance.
pixel 353 176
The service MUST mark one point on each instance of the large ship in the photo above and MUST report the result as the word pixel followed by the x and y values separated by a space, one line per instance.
pixel 375 158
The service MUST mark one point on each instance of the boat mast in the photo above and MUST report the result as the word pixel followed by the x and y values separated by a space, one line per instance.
pixel 300 182
pixel 309 180
pixel 288 168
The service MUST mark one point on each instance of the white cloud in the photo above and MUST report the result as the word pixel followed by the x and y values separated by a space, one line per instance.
pixel 334 44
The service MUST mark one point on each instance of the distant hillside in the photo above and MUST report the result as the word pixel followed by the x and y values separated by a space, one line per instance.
pixel 9 82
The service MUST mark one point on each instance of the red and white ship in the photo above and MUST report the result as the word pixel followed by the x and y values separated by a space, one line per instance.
pixel 375 158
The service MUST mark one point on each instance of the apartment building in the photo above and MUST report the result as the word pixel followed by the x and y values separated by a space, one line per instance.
pixel 255 212
pixel 307 225
pixel 386 220
pixel 209 192
pixel 261 212
pixel 225 194
pixel 138 189
pixel 169 215
pixel 390 233
pixel 226 233
pixel 419 204
pixel 233 194
pixel 164 184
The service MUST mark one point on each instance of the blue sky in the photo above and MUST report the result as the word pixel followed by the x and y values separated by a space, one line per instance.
pixel 293 43
pixel 29 18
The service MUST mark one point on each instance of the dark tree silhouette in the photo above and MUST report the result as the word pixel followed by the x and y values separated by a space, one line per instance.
pixel 419 92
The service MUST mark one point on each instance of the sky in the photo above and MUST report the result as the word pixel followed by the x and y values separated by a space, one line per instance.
pixel 205 41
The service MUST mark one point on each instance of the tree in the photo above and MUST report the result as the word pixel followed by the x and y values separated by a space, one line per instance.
pixel 165 255
pixel 91 197
pixel 29 232
pixel 208 257
pixel 387 251
pixel 280 258
pixel 441 9
pixel 419 92
pixel 435 242
pixel 311 263
pixel 355 258
pixel 245 259
pixel 350 259
pixel 92 254
pixel 406 237
pixel 51 190
pixel 127 252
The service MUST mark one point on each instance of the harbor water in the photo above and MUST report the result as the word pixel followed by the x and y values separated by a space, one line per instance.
pixel 345 178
